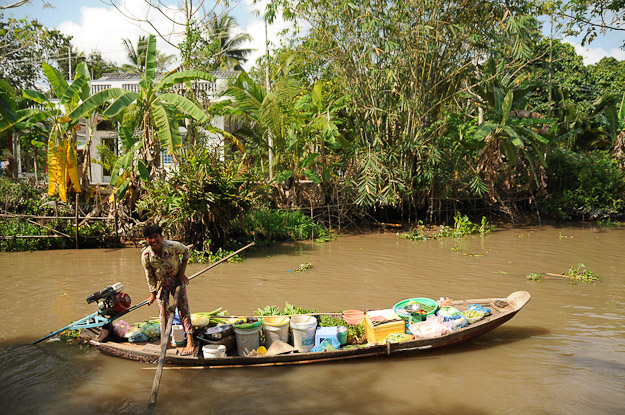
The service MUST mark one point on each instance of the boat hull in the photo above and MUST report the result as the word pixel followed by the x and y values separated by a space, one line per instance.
pixel 503 310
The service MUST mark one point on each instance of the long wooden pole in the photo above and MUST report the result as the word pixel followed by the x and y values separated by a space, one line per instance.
pixel 214 264
pixel 165 336
pixel 161 360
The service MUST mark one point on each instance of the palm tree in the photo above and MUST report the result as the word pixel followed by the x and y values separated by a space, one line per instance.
pixel 154 113
pixel 137 55
pixel 224 50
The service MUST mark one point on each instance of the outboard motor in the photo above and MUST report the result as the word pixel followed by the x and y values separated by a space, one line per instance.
pixel 111 300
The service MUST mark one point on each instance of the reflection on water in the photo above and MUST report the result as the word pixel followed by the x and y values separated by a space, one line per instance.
pixel 563 354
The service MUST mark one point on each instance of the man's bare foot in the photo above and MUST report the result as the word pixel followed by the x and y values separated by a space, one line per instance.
pixel 190 347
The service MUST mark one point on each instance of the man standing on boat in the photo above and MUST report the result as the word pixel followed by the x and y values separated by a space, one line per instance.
pixel 164 271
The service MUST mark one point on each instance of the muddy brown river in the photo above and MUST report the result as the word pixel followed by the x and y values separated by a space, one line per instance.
pixel 564 353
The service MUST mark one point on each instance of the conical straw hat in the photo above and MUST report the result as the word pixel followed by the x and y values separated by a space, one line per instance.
pixel 280 347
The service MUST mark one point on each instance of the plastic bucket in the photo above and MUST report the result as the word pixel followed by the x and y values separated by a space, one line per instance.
pixel 353 316
pixel 212 351
pixel 247 339
pixel 342 334
pixel 304 330
pixel 178 336
pixel 276 328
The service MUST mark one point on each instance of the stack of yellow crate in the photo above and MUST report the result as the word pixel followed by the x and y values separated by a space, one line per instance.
pixel 391 323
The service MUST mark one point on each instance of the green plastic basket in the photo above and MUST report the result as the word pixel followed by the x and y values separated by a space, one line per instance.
pixel 248 326
pixel 410 318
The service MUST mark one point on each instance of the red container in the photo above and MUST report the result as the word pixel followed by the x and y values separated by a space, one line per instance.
pixel 353 316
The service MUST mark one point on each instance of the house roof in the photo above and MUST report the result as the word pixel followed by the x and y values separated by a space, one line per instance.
pixel 121 76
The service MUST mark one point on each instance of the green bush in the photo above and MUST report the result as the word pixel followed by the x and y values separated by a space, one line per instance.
pixel 22 197
pixel 201 200
pixel 280 225
pixel 93 235
pixel 19 196
pixel 589 187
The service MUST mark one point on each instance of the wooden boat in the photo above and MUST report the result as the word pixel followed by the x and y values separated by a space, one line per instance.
pixel 503 309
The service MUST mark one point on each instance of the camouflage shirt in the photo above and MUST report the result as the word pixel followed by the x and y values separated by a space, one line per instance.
pixel 158 268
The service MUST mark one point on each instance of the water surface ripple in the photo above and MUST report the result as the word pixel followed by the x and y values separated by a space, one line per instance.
pixel 563 354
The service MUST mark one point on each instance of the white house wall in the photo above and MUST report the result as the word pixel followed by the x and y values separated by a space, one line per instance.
pixel 131 83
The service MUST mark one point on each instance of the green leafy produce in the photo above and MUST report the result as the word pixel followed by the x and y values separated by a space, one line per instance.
pixel 473 315
pixel 290 309
pixel 397 337
pixel 355 332
pixel 70 336
pixel 269 310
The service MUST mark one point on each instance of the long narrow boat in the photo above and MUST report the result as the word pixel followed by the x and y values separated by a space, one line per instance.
pixel 503 309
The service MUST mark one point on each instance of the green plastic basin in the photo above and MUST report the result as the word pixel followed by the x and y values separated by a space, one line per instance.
pixel 426 304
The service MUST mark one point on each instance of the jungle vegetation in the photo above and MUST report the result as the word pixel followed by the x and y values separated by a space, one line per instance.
pixel 378 111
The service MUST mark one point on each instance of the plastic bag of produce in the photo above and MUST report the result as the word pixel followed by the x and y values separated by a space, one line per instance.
pixel 120 327
pixel 132 330
pixel 473 316
pixel 441 320
pixel 426 329
pixel 449 313
pixel 398 337
pixel 327 345
pixel 151 330
pixel 458 322
pixel 435 318
pixel 478 307
pixel 138 338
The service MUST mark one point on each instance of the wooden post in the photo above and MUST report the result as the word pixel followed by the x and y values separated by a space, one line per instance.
pixel 56 219
pixel 116 226
pixel 338 207
pixel 329 217
pixel 76 220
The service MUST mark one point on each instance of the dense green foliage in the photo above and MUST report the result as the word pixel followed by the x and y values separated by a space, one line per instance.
pixel 201 199
pixel 590 187
pixel 22 198
pixel 23 45
pixel 462 227
pixel 401 110
pixel 19 197
pixel 280 225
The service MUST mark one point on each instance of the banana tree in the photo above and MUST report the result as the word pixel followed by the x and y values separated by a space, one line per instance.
pixel 508 136
pixel 62 160
pixel 150 120
pixel 618 149
pixel 11 117
pixel 314 131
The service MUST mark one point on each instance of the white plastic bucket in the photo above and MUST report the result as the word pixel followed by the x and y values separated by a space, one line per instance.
pixel 247 339
pixel 178 336
pixel 304 330
pixel 212 351
pixel 276 328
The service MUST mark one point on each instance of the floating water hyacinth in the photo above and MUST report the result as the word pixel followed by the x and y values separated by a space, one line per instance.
pixel 303 267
